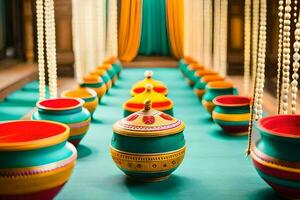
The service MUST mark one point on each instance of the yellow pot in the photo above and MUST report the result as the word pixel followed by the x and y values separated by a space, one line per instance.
pixel 89 97
pixel 95 83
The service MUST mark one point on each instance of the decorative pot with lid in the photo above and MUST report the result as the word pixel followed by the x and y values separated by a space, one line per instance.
pixel 148 145
pixel 95 83
pixel 158 86
pixel 199 87
pixel 104 76
pixel 159 102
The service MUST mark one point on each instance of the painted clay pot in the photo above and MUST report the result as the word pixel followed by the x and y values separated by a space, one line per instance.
pixel 111 72
pixel 148 145
pixel 190 72
pixel 89 97
pixel 35 159
pixel 159 102
pixel 276 155
pixel 158 86
pixel 69 111
pixel 200 73
pixel 95 83
pixel 215 89
pixel 199 87
pixel 232 113
pixel 104 76
pixel 183 64
pixel 116 64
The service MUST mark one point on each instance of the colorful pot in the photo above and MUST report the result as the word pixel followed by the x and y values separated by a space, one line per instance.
pixel 159 102
pixel 199 87
pixel 116 64
pixel 69 111
pixel 148 145
pixel 232 113
pixel 190 72
pixel 200 73
pixel 215 89
pixel 276 155
pixel 183 64
pixel 89 97
pixel 158 86
pixel 95 83
pixel 104 76
pixel 35 159
pixel 111 72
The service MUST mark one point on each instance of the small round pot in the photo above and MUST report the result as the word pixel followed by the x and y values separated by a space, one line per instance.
pixel 111 72
pixel 215 89
pixel 36 160
pixel 116 64
pixel 148 145
pixel 200 73
pixel 159 102
pixel 158 86
pixel 183 64
pixel 69 111
pixel 232 113
pixel 95 83
pixel 104 76
pixel 199 87
pixel 190 72
pixel 89 97
pixel 276 155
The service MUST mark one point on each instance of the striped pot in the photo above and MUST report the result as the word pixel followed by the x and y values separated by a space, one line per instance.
pixel 276 155
pixel 116 64
pixel 36 160
pixel 104 76
pixel 200 73
pixel 184 62
pixel 69 111
pixel 111 72
pixel 215 89
pixel 232 113
pixel 190 72
pixel 199 87
pixel 95 83
pixel 89 97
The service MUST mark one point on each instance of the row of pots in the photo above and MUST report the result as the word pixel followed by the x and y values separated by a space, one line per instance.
pixel 276 154
pixel 37 156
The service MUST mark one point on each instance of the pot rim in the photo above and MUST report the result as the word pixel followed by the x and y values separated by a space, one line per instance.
pixel 269 131
pixel 35 143
pixel 79 102
pixel 217 102
pixel 92 93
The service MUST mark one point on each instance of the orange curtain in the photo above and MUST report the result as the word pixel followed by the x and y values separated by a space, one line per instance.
pixel 175 18
pixel 130 29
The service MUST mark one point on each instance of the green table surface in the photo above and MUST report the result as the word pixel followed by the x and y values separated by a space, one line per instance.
pixel 215 166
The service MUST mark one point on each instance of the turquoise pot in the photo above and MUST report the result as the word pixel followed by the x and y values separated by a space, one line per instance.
pixel 199 87
pixel 215 89
pixel 35 159
pixel 276 155
pixel 148 145
pixel 117 67
pixel 69 111
pixel 182 65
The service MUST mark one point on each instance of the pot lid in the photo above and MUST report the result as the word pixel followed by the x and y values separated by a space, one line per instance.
pixel 209 78
pixel 148 123
pixel 204 72
pixel 195 66
pixel 158 86
pixel 91 78
pixel 159 101
pixel 220 84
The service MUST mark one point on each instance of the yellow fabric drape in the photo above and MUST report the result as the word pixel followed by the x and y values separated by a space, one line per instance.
pixel 175 18
pixel 130 29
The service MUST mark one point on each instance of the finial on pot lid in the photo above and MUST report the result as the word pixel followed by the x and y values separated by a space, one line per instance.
pixel 148 74
pixel 147 105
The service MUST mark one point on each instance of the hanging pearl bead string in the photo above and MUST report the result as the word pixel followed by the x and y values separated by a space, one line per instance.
pixel 257 110
pixel 247 45
pixel 258 102
pixel 280 38
pixel 296 58
pixel 40 48
pixel 286 56
pixel 255 27
pixel 51 47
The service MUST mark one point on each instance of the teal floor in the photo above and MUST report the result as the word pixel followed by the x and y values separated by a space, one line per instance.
pixel 20 102
pixel 215 166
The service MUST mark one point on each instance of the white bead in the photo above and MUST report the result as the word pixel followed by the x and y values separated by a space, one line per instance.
pixel 295 76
